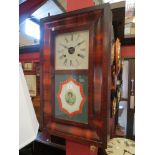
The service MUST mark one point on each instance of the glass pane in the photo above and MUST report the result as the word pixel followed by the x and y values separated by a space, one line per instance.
pixel 72 50
pixel 71 97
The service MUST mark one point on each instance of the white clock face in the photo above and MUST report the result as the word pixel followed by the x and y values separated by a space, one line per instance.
pixel 120 146
pixel 72 50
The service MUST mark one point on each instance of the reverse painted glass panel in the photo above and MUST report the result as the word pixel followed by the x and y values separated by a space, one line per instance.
pixel 71 98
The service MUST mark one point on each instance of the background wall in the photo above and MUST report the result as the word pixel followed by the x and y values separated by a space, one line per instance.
pixel 25 40
pixel 72 5
pixel 128 51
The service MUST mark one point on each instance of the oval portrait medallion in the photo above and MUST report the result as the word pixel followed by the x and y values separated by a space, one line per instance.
pixel 70 97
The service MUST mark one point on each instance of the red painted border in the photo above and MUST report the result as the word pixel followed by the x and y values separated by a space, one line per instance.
pixel 70 79
pixel 72 5
pixel 29 57
pixel 83 149
pixel 128 51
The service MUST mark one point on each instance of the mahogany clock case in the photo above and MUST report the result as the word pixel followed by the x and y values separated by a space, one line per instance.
pixel 94 129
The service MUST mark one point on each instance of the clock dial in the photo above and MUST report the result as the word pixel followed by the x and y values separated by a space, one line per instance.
pixel 72 50
pixel 120 146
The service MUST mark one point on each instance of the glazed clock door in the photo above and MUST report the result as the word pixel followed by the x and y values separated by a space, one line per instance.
pixel 75 73
pixel 71 98
pixel 71 54
pixel 71 89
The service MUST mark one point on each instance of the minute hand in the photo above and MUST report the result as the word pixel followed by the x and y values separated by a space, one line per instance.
pixel 127 152
pixel 79 43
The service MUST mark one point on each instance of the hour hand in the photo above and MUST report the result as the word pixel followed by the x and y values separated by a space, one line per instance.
pixel 64 46
pixel 124 152
pixel 79 43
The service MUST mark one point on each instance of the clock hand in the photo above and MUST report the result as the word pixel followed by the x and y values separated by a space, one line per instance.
pixel 64 46
pixel 127 152
pixel 124 152
pixel 79 43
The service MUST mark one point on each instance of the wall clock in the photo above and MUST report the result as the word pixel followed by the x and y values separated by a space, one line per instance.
pixel 120 146
pixel 75 75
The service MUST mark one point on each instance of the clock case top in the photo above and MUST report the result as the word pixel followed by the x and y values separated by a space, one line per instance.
pixel 98 20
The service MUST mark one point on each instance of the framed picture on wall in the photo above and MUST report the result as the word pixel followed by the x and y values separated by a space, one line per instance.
pixel 31 82
pixel 28 66
pixel 129 28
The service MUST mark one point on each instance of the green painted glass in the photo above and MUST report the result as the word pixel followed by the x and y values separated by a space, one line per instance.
pixel 70 98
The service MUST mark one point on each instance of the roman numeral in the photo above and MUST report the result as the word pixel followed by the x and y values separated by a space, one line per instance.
pixel 66 40
pixel 71 64
pixel 77 37
pixel 126 143
pixel 83 49
pixel 80 55
pixel 109 146
pixel 60 51
pixel 65 62
pixel 62 56
pixel 77 62
pixel 71 36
